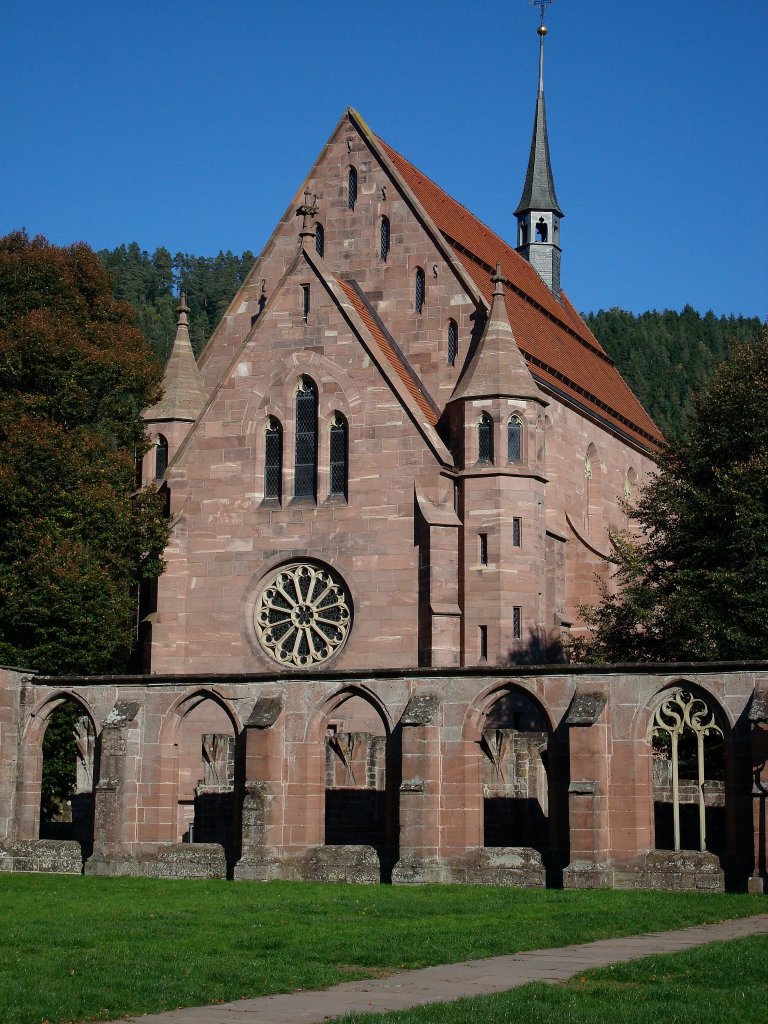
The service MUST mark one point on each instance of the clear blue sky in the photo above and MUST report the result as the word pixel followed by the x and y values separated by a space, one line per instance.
pixel 191 125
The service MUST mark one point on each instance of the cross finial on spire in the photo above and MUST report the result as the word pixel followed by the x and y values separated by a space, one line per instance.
pixel 307 209
pixel 542 5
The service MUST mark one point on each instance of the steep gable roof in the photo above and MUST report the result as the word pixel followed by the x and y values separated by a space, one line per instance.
pixel 561 351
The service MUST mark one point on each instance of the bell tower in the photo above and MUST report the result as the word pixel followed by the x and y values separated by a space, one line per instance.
pixel 538 212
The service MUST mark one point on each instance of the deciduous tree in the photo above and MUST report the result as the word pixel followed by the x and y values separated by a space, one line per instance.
pixel 74 376
pixel 696 588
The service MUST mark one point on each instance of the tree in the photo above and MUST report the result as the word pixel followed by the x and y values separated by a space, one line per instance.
pixel 697 589
pixel 74 376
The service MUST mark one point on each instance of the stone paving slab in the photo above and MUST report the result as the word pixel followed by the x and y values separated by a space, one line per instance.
pixel 447 982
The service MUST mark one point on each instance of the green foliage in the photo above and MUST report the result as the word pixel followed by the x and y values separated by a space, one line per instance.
pixel 84 948
pixel 697 589
pixel 60 755
pixel 148 282
pixel 666 358
pixel 74 375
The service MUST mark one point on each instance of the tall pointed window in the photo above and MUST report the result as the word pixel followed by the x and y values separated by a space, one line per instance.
pixel 305 480
pixel 515 439
pixel 320 239
pixel 419 290
pixel 384 239
pixel 453 342
pixel 485 439
pixel 161 457
pixel 351 188
pixel 339 456
pixel 273 459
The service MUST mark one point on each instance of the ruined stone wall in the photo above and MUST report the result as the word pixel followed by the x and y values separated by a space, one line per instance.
pixel 415 756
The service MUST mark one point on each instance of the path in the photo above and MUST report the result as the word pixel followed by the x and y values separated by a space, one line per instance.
pixel 454 981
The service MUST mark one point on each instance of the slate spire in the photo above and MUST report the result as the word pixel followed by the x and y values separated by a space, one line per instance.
pixel 538 212
pixel 184 393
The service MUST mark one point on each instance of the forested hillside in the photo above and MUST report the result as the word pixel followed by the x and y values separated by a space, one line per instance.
pixel 151 284
pixel 665 357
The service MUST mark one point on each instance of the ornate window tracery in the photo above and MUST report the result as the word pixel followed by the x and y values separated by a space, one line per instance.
pixel 680 713
pixel 303 615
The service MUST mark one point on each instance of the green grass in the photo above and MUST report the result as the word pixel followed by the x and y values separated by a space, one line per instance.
pixel 723 981
pixel 74 948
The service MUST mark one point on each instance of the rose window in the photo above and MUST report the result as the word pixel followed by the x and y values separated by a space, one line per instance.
pixel 303 615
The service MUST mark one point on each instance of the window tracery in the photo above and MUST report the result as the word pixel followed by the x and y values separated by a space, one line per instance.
pixel 303 615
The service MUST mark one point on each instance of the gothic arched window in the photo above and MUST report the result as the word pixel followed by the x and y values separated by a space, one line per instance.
pixel 339 455
pixel 161 457
pixel 273 459
pixel 351 188
pixel 320 239
pixel 515 439
pixel 453 342
pixel 485 439
pixel 305 479
pixel 419 290
pixel 384 237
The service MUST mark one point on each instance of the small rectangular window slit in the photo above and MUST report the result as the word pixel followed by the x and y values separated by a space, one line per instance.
pixel 305 301
pixel 483 549
pixel 517 622
pixel 517 532
pixel 483 637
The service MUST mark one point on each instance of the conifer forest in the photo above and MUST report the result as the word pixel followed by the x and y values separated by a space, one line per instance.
pixel 665 356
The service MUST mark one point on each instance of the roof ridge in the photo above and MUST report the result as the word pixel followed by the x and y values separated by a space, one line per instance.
pixel 589 342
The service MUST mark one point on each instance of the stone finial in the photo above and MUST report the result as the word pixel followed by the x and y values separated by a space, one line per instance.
pixel 184 394
pixel 307 211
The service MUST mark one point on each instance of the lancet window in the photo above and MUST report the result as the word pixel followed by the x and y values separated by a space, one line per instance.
pixel 485 439
pixel 515 439
pixel 339 448
pixel 273 459
pixel 305 478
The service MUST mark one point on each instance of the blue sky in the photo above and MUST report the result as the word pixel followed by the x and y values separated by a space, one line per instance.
pixel 191 125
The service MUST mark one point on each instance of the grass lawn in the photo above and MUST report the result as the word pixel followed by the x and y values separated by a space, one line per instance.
pixel 723 981
pixel 75 948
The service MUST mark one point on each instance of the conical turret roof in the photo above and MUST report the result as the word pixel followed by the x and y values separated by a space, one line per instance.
pixel 184 393
pixel 497 367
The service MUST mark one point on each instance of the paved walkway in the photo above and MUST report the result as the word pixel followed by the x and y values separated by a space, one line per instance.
pixel 455 981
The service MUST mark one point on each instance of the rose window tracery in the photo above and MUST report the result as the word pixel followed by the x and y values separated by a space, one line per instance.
pixel 303 615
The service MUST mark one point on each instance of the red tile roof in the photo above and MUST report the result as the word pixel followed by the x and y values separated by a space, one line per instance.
pixel 561 351
pixel 398 365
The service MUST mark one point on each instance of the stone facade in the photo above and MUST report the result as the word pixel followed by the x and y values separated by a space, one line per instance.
pixel 536 776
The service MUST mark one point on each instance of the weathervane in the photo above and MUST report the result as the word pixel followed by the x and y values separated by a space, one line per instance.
pixel 542 5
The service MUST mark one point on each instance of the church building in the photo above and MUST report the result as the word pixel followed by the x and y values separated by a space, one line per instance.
pixel 391 480
pixel 401 447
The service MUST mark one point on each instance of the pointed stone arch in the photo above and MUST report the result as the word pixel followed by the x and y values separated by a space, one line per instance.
pixel 29 825
pixel 196 778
